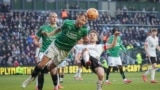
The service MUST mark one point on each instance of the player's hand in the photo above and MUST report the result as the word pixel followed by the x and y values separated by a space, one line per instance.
pixel 117 33
pixel 45 33
pixel 38 44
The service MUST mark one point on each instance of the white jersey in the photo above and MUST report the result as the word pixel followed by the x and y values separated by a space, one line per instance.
pixel 78 48
pixel 94 50
pixel 151 43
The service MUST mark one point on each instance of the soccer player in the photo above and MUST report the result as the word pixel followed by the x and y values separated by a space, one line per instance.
pixel 114 59
pixel 71 32
pixel 62 67
pixel 76 50
pixel 91 55
pixel 46 41
pixel 150 46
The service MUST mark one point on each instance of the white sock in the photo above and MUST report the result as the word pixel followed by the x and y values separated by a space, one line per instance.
pixel 79 72
pixel 76 74
pixel 100 81
pixel 107 80
pixel 36 81
pixel 85 56
pixel 153 74
pixel 125 79
pixel 58 79
pixel 148 71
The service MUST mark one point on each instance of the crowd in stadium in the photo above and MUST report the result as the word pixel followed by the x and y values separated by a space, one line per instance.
pixel 18 28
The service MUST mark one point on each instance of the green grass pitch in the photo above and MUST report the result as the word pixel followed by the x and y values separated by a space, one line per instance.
pixel 13 82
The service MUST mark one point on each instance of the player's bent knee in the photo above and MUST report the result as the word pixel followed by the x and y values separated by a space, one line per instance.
pixel 53 71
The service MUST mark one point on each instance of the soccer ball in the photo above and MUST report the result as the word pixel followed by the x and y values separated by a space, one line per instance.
pixel 92 14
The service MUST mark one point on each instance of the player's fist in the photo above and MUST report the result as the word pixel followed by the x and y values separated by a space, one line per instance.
pixel 38 44
pixel 117 33
pixel 45 33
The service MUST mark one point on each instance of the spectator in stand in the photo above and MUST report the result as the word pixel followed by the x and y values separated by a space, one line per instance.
pixel 64 14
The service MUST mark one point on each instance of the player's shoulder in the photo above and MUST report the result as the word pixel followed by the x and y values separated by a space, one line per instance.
pixel 149 38
pixel 44 26
pixel 68 22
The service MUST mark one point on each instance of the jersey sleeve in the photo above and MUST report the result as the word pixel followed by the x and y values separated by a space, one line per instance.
pixel 122 46
pixel 110 39
pixel 39 34
pixel 146 41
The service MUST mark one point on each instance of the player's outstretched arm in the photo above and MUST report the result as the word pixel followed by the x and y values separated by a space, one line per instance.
pixel 36 41
pixel 158 48
pixel 53 32
pixel 116 34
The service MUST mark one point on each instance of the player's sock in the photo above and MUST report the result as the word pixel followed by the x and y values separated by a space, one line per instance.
pixel 55 79
pixel 121 72
pixel 108 72
pixel 99 85
pixel 40 81
pixel 79 72
pixel 36 71
pixel 153 74
pixel 61 78
pixel 148 71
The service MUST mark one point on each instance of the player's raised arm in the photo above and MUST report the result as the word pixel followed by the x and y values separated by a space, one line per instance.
pixel 116 34
pixel 53 32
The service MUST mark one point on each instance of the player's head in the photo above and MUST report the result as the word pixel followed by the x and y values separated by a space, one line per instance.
pixel 81 20
pixel 154 32
pixel 93 36
pixel 80 41
pixel 53 18
pixel 114 30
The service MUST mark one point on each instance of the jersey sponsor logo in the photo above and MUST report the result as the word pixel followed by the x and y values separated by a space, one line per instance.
pixel 71 35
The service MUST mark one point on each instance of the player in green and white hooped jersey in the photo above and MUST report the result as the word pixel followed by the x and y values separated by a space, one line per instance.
pixel 114 58
pixel 46 41
pixel 71 32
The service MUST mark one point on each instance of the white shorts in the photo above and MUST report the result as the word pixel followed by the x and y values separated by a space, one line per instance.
pixel 37 52
pixel 55 54
pixel 40 56
pixel 114 61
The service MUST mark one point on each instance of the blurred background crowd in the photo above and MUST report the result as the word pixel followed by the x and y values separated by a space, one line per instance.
pixel 18 28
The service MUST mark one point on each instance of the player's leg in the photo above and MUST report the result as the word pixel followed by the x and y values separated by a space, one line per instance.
pixel 111 63
pixel 107 75
pixel 85 56
pixel 77 75
pixel 154 65
pixel 49 54
pixel 98 69
pixel 119 64
pixel 100 74
pixel 61 75
pixel 40 81
pixel 54 76
pixel 40 78
pixel 151 69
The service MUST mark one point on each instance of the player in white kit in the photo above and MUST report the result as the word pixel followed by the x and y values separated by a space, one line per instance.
pixel 150 46
pixel 75 51
pixel 91 56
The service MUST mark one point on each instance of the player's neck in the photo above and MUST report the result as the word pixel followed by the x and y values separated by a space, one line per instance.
pixel 153 36
pixel 53 24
